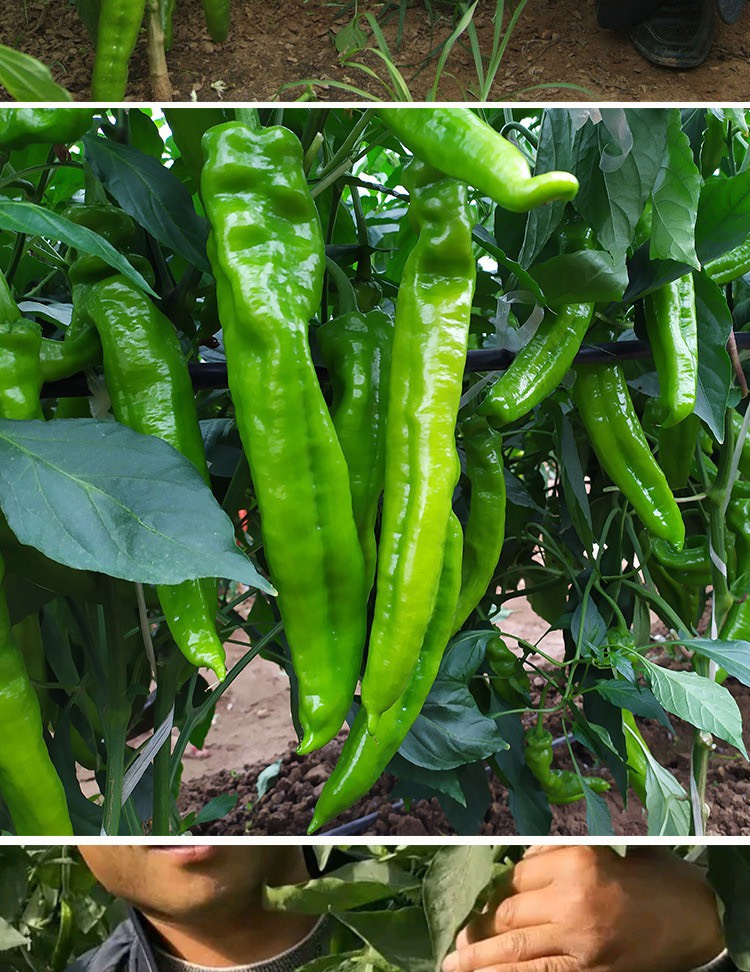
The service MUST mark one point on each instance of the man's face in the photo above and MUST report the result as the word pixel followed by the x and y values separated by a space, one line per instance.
pixel 193 882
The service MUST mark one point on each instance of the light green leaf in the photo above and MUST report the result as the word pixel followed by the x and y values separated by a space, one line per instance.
pixel 27 79
pixel 675 199
pixel 351 886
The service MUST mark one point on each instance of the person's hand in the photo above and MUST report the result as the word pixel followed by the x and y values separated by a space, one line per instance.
pixel 585 909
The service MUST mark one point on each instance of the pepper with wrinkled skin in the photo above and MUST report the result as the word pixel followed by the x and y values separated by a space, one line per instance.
pixel 559 786
pixel 20 127
pixel 730 266
pixel 540 365
pixel 20 371
pixel 676 449
pixel 509 679
pixel 603 401
pixel 365 756
pixel 267 254
pixel 356 349
pixel 433 312
pixel 76 351
pixel 458 143
pixel 736 625
pixel 485 527
pixel 29 784
pixel 119 25
pixel 672 328
pixel 691 566
pixel 149 384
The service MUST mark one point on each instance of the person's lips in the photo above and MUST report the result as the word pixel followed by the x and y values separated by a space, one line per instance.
pixel 188 854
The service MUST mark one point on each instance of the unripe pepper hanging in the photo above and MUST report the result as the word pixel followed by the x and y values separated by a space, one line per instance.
pixel 433 310
pixel 267 254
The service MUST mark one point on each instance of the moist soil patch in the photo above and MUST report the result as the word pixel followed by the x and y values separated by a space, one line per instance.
pixel 286 807
pixel 557 44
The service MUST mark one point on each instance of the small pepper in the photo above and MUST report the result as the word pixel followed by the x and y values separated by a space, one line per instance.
pixel 559 786
pixel 509 680
pixel 20 127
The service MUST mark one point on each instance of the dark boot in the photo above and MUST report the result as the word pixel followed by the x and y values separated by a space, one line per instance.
pixel 678 34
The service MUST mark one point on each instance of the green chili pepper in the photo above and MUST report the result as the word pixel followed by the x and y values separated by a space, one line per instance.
pixel 485 527
pixel 732 265
pixel 217 13
pixel 559 786
pixel 20 127
pixel 266 250
pixel 540 366
pixel 690 566
pixel 672 328
pixel 365 756
pixel 64 940
pixel 744 465
pixel 79 349
pixel 433 310
pixel 637 760
pixel 356 349
pixel 457 142
pixel 29 784
pixel 149 384
pixel 119 25
pixel 686 601
pixel 676 446
pixel 20 371
pixel 603 401
pixel 509 680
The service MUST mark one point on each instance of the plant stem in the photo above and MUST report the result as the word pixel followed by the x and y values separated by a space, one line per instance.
pixel 161 87
pixel 167 680
pixel 117 707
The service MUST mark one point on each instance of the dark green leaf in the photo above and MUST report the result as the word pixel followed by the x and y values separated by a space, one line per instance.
pixel 400 936
pixel 640 701
pixel 675 199
pixel 455 879
pixel 98 496
pixel 24 217
pixel 714 365
pixel 350 886
pixel 723 215
pixel 589 275
pixel 148 192
pixel 729 873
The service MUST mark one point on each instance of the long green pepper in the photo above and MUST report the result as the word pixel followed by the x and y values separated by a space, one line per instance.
pixel 433 310
pixel 672 328
pixel 119 25
pixel 456 142
pixel 540 365
pixel 603 401
pixel 356 349
pixel 365 756
pixel 149 384
pixel 485 527
pixel 267 254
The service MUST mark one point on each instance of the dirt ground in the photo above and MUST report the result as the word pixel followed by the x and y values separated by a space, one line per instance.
pixel 556 43
pixel 255 724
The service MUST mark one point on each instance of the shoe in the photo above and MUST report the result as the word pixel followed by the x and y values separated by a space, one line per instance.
pixel 730 10
pixel 679 34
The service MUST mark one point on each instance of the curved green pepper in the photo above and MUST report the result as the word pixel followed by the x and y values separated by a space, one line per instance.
pixel 267 253
pixel 20 371
pixel 559 786
pixel 119 25
pixel 672 328
pixel 151 391
pixel 356 349
pixel 485 527
pixel 540 365
pixel 433 311
pixel 732 265
pixel 20 127
pixel 676 445
pixel 690 566
pixel 603 401
pixel 458 143
pixel 365 756
pixel 509 680
pixel 29 784
pixel 637 760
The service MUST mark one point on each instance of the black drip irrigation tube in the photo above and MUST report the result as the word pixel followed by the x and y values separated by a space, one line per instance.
pixel 213 376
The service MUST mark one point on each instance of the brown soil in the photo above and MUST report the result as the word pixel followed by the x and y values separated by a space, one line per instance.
pixel 556 42
pixel 287 806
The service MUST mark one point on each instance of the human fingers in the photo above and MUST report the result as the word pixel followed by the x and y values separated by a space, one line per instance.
pixel 517 945
pixel 517 911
